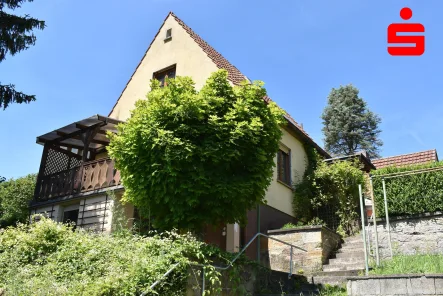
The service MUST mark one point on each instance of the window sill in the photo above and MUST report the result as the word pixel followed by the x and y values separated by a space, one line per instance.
pixel 286 185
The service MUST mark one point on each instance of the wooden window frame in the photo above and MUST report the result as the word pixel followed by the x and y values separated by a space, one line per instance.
pixel 163 71
pixel 284 177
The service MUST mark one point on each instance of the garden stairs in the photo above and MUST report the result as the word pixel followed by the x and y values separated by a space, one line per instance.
pixel 349 260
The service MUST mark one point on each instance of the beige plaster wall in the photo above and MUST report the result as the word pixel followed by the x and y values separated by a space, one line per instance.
pixel 182 50
pixel 279 195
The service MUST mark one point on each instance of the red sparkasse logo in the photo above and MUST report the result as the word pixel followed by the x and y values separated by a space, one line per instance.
pixel 418 41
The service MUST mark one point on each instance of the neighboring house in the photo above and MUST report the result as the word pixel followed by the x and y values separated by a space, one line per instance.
pixel 75 173
pixel 407 159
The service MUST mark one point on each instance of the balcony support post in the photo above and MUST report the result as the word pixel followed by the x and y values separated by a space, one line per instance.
pixel 41 170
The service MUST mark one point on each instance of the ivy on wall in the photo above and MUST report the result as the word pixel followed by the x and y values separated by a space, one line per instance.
pixel 412 194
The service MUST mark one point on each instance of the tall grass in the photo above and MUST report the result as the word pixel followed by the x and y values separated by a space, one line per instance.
pixel 411 264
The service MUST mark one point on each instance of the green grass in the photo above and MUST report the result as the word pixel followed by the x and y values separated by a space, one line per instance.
pixel 333 291
pixel 410 264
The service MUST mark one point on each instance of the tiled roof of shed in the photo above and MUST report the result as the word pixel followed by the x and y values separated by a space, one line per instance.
pixel 406 159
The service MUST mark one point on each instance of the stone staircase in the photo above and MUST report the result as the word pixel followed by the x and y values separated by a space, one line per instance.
pixel 349 260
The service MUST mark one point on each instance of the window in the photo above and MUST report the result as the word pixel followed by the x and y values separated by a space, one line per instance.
pixel 168 35
pixel 163 74
pixel 284 167
pixel 70 216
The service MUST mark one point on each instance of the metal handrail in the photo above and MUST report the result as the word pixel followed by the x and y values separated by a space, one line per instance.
pixel 230 262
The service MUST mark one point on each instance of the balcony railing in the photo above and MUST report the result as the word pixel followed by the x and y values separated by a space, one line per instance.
pixel 93 175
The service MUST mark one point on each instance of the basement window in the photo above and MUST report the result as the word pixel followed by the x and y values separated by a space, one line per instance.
pixel 168 35
pixel 165 73
pixel 284 166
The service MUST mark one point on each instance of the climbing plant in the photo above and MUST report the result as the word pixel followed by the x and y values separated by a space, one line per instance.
pixel 198 158
pixel 333 185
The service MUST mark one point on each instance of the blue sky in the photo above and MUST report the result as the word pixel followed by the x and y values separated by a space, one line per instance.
pixel 300 49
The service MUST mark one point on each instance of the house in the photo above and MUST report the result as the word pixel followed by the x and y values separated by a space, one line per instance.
pixel 421 157
pixel 76 176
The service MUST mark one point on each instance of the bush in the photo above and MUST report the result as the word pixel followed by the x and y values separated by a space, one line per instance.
pixel 330 185
pixel 413 194
pixel 47 258
pixel 15 195
pixel 198 158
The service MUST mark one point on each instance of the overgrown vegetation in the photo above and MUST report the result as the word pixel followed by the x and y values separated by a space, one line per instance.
pixel 411 264
pixel 332 185
pixel 15 195
pixel 314 222
pixel 48 258
pixel 198 158
pixel 413 194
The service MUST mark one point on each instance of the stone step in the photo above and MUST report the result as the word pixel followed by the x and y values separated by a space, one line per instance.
pixel 354 272
pixel 353 239
pixel 352 247
pixel 333 280
pixel 350 266
pixel 346 260
pixel 351 254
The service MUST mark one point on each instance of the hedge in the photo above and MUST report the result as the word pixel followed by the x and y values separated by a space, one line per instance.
pixel 413 194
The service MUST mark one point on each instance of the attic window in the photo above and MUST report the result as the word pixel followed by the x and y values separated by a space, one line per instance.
pixel 165 73
pixel 168 35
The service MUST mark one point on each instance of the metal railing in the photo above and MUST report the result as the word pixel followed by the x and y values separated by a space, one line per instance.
pixel 230 262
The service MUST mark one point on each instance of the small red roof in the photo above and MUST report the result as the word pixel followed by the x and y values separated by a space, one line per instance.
pixel 406 159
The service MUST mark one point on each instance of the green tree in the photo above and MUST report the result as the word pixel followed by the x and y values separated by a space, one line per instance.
pixel 348 124
pixel 198 158
pixel 15 196
pixel 15 35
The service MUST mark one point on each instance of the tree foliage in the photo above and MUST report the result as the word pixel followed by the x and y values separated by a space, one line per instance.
pixel 348 125
pixel 413 194
pixel 15 195
pixel 16 34
pixel 196 158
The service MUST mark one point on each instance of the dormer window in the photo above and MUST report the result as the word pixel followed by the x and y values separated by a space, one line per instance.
pixel 168 35
pixel 165 73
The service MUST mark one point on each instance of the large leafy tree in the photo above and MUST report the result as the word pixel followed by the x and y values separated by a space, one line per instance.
pixel 198 158
pixel 348 125
pixel 15 195
pixel 15 35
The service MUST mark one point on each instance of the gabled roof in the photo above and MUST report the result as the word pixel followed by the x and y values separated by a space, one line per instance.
pixel 407 159
pixel 234 75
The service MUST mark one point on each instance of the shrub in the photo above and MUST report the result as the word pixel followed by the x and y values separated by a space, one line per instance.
pixel 330 185
pixel 47 258
pixel 196 158
pixel 15 195
pixel 413 194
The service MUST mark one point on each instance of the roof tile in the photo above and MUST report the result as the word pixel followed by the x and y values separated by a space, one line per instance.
pixel 406 159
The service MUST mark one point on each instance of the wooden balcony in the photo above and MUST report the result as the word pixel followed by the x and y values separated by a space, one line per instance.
pixel 89 176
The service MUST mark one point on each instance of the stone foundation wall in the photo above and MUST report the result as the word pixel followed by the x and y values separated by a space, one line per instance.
pixel 410 235
pixel 396 285
pixel 319 242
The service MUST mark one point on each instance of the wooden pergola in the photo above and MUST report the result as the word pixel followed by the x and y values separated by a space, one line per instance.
pixel 87 136
pixel 69 166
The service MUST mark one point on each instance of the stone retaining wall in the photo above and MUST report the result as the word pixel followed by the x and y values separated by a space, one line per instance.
pixel 396 285
pixel 319 242
pixel 410 234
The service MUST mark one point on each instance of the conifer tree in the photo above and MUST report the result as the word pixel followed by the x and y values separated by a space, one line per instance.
pixel 15 35
pixel 348 125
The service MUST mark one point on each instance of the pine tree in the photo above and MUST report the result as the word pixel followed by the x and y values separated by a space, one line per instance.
pixel 15 35
pixel 349 126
